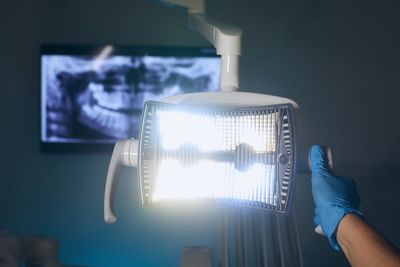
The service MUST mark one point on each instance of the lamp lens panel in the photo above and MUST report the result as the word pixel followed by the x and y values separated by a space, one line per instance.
pixel 240 156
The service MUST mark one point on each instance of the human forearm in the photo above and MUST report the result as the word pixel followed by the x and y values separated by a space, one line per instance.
pixel 337 201
pixel 363 246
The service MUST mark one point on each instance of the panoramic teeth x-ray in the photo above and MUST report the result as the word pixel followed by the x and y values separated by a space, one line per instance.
pixel 99 100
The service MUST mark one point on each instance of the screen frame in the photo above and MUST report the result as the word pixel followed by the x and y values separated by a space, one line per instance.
pixel 92 50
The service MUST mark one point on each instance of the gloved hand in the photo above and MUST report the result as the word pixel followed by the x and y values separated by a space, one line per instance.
pixel 334 196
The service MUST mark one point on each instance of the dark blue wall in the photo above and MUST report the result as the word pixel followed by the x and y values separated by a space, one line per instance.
pixel 338 60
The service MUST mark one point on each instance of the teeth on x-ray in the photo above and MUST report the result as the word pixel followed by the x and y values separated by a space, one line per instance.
pixel 106 121
pixel 114 100
pixel 105 102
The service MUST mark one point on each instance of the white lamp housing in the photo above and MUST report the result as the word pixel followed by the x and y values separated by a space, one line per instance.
pixel 230 148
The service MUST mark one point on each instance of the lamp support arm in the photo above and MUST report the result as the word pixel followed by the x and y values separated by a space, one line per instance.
pixel 225 38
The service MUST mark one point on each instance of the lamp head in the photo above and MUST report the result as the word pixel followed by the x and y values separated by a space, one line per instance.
pixel 229 148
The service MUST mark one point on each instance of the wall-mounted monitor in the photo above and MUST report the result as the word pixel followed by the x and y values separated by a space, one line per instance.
pixel 94 95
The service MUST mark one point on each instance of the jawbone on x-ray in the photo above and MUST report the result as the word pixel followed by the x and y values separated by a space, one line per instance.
pixel 86 100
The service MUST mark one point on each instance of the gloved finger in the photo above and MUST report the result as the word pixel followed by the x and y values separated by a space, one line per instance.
pixel 318 161
pixel 317 219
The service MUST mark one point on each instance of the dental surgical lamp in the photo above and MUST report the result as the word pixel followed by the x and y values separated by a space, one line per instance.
pixel 227 148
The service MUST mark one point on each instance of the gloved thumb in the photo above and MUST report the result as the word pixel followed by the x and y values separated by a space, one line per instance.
pixel 318 161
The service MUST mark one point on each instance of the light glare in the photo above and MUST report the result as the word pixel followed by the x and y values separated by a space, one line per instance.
pixel 240 156
pixel 217 133
pixel 208 179
pixel 179 128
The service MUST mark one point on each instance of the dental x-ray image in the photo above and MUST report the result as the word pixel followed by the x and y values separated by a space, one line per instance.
pixel 99 98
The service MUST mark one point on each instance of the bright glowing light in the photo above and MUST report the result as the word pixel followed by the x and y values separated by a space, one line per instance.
pixel 178 128
pixel 208 179
pixel 188 169
pixel 216 155
pixel 213 133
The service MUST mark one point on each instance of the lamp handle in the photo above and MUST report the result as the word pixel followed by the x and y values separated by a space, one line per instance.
pixel 125 153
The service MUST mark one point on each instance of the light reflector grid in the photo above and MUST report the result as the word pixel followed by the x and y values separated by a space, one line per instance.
pixel 217 155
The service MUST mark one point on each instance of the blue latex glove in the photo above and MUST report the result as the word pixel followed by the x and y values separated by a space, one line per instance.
pixel 334 196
